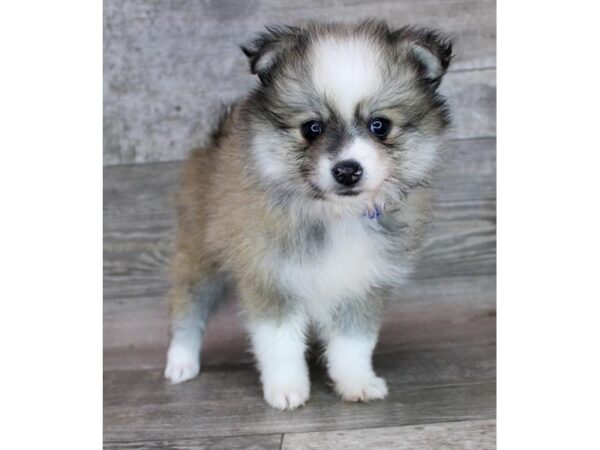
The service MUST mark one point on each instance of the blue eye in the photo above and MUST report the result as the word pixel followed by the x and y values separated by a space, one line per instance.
pixel 380 127
pixel 311 129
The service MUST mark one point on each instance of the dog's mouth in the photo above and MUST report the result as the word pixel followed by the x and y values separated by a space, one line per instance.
pixel 348 193
pixel 318 193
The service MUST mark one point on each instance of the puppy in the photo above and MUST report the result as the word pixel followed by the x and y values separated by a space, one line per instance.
pixel 310 201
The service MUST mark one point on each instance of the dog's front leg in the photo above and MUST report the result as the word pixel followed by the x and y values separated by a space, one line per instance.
pixel 279 345
pixel 350 338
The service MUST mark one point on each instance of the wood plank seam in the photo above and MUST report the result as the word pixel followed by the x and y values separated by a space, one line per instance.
pixel 383 426
pixel 192 438
pixel 329 430
pixel 332 430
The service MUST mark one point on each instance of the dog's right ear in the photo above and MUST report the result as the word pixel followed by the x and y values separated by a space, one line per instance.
pixel 264 51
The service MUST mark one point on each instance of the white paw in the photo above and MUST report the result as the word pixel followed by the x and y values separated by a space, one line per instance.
pixel 362 389
pixel 286 395
pixel 182 364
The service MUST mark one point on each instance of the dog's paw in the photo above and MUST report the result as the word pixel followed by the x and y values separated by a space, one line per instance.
pixel 287 395
pixel 362 389
pixel 182 365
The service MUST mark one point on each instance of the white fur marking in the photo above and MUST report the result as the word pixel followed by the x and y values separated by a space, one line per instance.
pixel 362 151
pixel 419 156
pixel 183 357
pixel 269 157
pixel 182 363
pixel 346 71
pixel 350 264
pixel 279 350
pixel 350 367
pixel 370 159
pixel 324 178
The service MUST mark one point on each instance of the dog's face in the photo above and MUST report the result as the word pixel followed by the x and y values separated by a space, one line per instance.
pixel 346 114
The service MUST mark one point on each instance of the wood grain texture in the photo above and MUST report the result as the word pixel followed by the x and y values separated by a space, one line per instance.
pixel 466 435
pixel 429 314
pixel 139 219
pixel 169 65
pixel 227 401
pixel 436 348
pixel 472 99
pixel 138 224
pixel 261 442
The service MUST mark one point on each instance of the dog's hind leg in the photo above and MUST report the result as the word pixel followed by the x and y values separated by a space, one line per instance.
pixel 191 306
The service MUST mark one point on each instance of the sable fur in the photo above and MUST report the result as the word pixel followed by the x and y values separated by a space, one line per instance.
pixel 254 215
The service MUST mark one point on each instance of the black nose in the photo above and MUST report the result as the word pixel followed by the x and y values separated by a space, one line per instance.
pixel 347 172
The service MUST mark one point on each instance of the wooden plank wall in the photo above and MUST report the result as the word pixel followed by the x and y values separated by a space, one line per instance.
pixel 169 64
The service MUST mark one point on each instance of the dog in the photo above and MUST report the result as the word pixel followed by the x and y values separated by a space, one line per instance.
pixel 311 201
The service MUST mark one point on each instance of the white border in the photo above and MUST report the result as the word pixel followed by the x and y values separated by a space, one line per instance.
pixel 548 223
pixel 50 192
pixel 51 239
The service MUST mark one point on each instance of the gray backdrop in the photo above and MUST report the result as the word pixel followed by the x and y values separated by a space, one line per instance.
pixel 169 63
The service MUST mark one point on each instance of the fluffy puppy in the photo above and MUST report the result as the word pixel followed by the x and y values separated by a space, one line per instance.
pixel 310 201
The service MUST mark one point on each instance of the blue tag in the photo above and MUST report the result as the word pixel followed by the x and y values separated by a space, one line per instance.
pixel 373 214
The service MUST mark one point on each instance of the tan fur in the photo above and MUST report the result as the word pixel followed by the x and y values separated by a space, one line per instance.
pixel 223 223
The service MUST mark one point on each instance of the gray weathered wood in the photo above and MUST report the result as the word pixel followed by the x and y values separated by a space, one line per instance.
pixel 466 435
pixel 168 65
pixel 472 99
pixel 429 314
pixel 260 442
pixel 139 221
pixel 140 405
pixel 147 126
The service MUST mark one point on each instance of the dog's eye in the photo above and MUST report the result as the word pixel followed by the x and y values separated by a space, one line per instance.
pixel 311 129
pixel 380 127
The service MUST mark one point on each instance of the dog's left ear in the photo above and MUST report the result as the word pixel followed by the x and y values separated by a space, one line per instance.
pixel 429 50
pixel 265 51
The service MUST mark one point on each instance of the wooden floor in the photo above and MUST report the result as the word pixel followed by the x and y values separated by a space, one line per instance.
pixel 437 352
pixel 437 348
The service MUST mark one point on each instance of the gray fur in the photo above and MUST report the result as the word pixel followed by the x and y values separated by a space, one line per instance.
pixel 358 315
pixel 286 90
pixel 205 298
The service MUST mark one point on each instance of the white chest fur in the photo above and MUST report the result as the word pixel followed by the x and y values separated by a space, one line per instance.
pixel 353 259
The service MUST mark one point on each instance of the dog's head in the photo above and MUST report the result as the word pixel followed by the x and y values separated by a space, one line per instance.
pixel 345 115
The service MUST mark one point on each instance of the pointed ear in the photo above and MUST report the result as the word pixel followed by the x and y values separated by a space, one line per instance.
pixel 265 50
pixel 430 51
